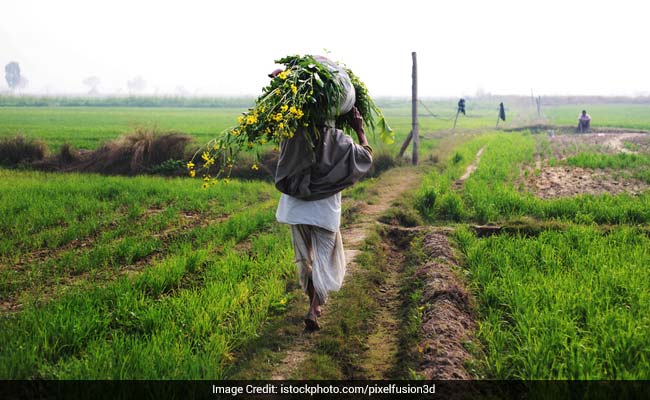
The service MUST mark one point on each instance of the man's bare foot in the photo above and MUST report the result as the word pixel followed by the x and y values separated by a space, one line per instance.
pixel 311 322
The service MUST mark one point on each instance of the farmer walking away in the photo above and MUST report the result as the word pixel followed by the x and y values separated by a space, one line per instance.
pixel 311 193
pixel 305 111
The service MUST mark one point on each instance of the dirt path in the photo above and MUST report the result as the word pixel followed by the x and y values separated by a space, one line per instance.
pixel 390 187
pixel 469 170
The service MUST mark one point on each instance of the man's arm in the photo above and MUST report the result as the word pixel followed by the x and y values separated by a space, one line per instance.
pixel 357 125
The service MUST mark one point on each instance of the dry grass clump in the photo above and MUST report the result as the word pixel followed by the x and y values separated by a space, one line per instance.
pixel 135 153
pixel 21 150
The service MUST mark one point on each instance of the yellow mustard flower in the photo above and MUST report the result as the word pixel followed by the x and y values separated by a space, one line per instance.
pixel 251 119
pixel 255 167
pixel 240 119
pixel 294 89
pixel 192 173
pixel 190 165
pixel 284 108
pixel 205 185
pixel 205 156
pixel 283 75
pixel 278 117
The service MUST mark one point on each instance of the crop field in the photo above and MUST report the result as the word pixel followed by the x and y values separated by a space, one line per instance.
pixel 145 277
pixel 88 127
pixel 561 292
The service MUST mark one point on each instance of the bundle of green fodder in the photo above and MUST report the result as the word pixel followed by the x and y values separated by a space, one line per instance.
pixel 308 92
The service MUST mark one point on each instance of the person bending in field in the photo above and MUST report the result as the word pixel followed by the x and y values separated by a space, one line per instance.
pixel 584 122
pixel 311 177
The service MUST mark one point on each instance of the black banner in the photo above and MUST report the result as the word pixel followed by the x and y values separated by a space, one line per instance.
pixel 186 390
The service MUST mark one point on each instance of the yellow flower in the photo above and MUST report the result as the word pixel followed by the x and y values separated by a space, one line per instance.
pixel 263 141
pixel 205 185
pixel 280 126
pixel 235 132
pixel 299 114
pixel 240 119
pixel 251 119
pixel 226 180
pixel 283 75
pixel 283 301
pixel 278 117
pixel 206 178
pixel 190 165
pixel 284 108
pixel 205 156
pixel 294 89
pixel 255 167
pixel 249 145
pixel 216 147
pixel 192 173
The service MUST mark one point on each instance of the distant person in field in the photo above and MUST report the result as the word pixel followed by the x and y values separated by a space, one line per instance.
pixel 311 197
pixel 584 122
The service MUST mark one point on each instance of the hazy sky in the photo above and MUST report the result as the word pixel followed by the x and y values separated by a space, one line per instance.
pixel 219 47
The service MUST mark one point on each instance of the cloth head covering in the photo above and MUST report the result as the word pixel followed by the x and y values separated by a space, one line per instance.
pixel 348 97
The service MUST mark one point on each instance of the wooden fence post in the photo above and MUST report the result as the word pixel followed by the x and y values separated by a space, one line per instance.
pixel 415 131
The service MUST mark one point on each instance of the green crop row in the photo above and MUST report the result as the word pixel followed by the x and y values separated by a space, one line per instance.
pixel 44 211
pixel 614 161
pixel 564 305
pixel 491 193
pixel 180 319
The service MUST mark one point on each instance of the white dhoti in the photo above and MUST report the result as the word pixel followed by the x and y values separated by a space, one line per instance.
pixel 317 242
pixel 319 257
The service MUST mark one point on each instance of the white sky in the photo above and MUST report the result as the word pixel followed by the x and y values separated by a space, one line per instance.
pixel 228 47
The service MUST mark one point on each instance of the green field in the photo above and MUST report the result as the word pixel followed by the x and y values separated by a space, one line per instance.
pixel 631 116
pixel 88 127
pixel 155 278
pixel 563 294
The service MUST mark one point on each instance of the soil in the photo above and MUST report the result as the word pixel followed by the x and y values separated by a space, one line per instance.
pixel 469 170
pixel 449 320
pixel 563 146
pixel 551 182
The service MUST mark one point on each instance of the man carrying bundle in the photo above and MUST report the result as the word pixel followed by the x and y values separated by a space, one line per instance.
pixel 311 195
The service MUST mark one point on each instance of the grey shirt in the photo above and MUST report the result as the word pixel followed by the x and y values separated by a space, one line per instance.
pixel 335 163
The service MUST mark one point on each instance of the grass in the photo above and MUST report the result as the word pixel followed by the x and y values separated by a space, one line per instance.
pixel 491 195
pixel 563 305
pixel 135 278
pixel 88 127
pixel 565 299
pixel 631 116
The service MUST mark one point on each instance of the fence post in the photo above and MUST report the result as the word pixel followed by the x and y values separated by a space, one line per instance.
pixel 415 131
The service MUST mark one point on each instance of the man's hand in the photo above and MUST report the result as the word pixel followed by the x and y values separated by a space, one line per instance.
pixel 356 121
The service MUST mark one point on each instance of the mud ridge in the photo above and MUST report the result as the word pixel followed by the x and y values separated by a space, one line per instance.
pixel 449 319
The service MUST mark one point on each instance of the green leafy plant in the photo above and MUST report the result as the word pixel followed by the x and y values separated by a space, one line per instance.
pixel 296 101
